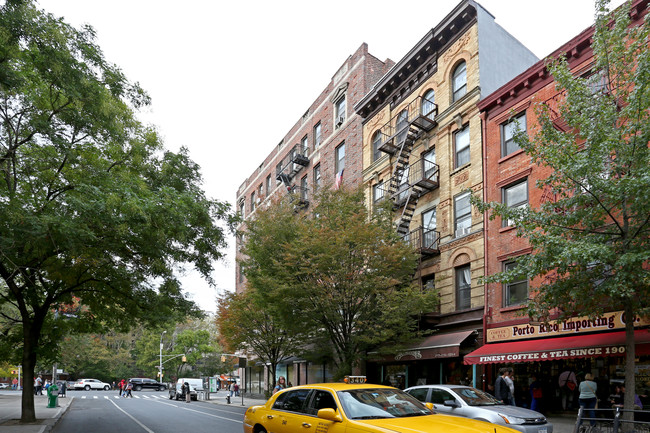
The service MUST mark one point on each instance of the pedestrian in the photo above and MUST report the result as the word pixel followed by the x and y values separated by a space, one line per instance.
pixel 587 397
pixel 121 386
pixel 236 390
pixel 38 385
pixel 129 388
pixel 509 378
pixel 187 391
pixel 501 388
pixel 282 384
pixel 536 394
pixel 567 382
pixel 14 384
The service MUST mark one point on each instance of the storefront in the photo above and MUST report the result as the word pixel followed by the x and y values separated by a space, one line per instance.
pixel 579 345
pixel 435 359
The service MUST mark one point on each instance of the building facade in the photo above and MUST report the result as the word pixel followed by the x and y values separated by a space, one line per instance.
pixel 324 147
pixel 422 150
pixel 577 345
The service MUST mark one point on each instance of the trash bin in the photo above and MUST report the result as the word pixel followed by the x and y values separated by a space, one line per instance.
pixel 53 396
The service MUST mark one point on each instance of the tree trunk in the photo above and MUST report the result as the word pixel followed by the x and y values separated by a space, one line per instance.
pixel 630 384
pixel 29 364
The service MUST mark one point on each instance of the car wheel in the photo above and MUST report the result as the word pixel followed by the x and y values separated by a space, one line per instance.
pixel 161 388
pixel 138 388
pixel 87 387
pixel 106 387
pixel 259 429
pixel 176 397
pixel 171 397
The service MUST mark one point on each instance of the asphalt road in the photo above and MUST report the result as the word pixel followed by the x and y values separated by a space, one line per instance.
pixel 146 412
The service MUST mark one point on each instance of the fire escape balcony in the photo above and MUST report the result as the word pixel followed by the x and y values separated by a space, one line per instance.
pixel 299 197
pixel 421 116
pixel 292 163
pixel 424 241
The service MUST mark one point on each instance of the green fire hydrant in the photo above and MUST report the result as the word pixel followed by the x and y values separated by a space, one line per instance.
pixel 52 396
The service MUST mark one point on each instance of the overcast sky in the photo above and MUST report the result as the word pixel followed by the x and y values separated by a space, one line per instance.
pixel 228 79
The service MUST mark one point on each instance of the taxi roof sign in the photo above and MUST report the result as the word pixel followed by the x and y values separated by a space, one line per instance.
pixel 355 379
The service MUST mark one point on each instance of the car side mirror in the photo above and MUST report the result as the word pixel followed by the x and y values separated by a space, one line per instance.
pixel 329 414
pixel 429 405
pixel 451 403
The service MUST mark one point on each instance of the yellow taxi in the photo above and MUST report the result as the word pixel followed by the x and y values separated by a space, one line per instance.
pixel 354 408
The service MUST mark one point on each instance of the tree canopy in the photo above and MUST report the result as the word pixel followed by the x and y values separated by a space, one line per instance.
pixel 339 275
pixel 591 242
pixel 91 204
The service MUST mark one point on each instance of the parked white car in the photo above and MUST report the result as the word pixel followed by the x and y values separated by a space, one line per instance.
pixel 89 384
pixel 473 403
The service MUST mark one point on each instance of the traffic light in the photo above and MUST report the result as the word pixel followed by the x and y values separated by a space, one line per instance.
pixel 14 371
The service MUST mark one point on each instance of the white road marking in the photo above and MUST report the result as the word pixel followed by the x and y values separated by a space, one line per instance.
pixel 135 420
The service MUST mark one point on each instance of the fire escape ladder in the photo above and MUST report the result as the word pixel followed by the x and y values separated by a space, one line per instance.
pixel 401 165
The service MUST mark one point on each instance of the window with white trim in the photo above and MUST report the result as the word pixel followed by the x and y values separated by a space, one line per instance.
pixel 516 292
pixel 508 129
pixel 459 81
pixel 461 147
pixel 463 287
pixel 462 215
pixel 515 196
pixel 339 112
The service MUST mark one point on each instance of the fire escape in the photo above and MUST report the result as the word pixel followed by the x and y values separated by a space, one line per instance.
pixel 409 182
pixel 287 171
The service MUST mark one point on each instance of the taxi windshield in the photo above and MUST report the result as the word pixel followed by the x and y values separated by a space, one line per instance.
pixel 476 397
pixel 380 403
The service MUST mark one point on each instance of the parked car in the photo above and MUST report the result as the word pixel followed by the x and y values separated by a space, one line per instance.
pixel 4 385
pixel 472 403
pixel 140 383
pixel 354 408
pixel 176 393
pixel 89 384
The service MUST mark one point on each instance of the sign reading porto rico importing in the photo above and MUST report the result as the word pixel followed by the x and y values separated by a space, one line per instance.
pixel 572 326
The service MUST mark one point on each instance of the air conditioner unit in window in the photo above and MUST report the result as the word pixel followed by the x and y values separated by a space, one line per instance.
pixel 462 231
pixel 340 121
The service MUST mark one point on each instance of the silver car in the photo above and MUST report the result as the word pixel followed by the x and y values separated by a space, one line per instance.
pixel 472 403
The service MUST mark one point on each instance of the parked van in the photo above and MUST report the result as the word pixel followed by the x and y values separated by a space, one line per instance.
pixel 176 393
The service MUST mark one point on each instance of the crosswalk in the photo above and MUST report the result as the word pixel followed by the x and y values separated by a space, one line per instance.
pixel 118 397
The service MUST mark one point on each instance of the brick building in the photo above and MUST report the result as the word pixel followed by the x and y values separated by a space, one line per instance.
pixel 510 177
pixel 422 150
pixel 323 147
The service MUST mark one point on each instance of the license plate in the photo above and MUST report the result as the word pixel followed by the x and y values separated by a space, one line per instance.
pixel 542 430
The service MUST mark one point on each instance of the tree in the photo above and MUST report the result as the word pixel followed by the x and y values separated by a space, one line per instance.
pixel 341 276
pixel 245 323
pixel 591 245
pixel 91 205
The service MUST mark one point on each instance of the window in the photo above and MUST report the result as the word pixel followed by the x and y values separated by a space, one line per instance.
pixel 419 393
pixel 401 125
pixel 516 292
pixel 317 135
pixel 260 192
pixel 321 400
pixel 304 145
pixel 278 171
pixel 515 197
pixel 376 142
pixel 461 144
pixel 403 188
pixel 242 207
pixel 429 235
pixel 462 215
pixel 252 201
pixel 459 81
pixel 293 401
pixel 508 129
pixel 339 163
pixel 430 167
pixel 268 185
pixel 303 189
pixel 429 283
pixel 378 191
pixel 339 112
pixel 463 287
pixel 317 178
pixel 428 103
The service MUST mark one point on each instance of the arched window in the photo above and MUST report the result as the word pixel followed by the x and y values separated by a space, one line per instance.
pixel 401 125
pixel 459 81
pixel 376 142
pixel 428 103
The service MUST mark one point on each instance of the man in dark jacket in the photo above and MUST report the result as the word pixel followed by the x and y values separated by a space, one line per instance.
pixel 501 388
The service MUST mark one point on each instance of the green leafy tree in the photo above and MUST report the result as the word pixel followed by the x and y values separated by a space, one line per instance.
pixel 91 205
pixel 591 244
pixel 341 276
pixel 246 323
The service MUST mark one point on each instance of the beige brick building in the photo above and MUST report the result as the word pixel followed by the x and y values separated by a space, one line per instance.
pixel 422 149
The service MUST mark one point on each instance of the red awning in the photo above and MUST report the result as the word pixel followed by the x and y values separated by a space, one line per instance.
pixel 549 349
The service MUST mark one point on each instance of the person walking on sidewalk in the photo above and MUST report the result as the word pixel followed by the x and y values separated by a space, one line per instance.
pixel 587 398
pixel 188 392
pixel 501 388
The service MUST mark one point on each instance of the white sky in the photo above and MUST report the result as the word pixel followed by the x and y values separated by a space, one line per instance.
pixel 228 79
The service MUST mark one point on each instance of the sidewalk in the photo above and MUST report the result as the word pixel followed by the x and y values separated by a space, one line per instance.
pixel 10 410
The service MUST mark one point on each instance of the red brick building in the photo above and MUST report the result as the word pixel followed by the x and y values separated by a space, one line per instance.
pixel 510 177
pixel 323 147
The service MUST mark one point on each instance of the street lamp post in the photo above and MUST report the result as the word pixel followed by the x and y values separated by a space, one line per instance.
pixel 160 365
